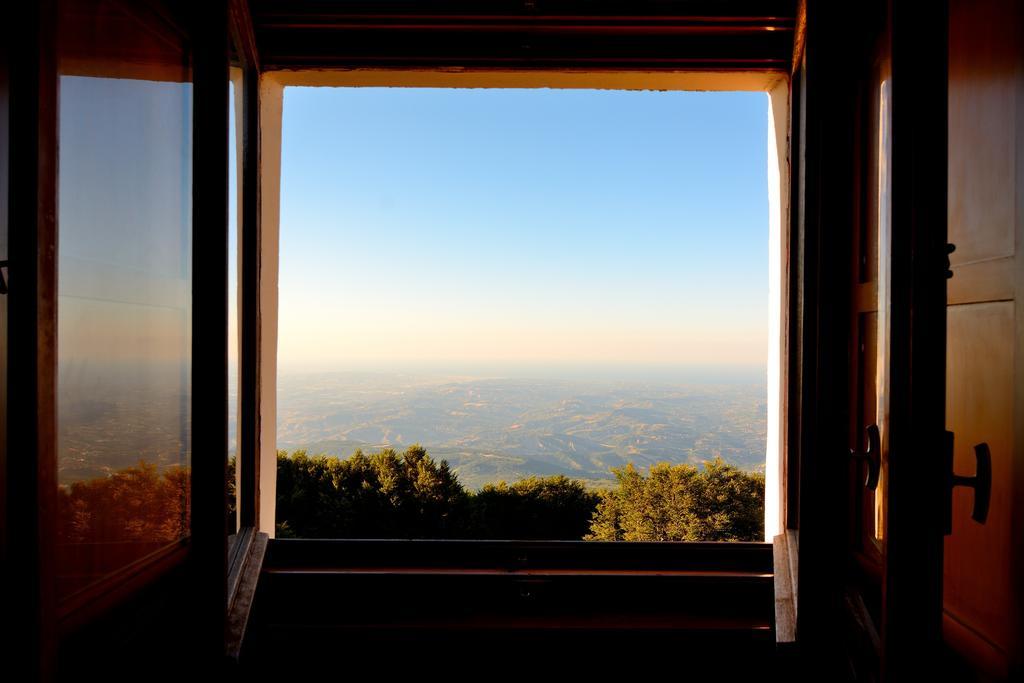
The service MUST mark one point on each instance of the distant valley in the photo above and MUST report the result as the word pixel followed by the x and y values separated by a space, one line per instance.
pixel 492 428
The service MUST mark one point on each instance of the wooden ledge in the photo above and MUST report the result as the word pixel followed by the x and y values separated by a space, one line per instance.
pixel 785 556
pixel 250 547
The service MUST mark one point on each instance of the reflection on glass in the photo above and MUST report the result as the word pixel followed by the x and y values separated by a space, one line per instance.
pixel 234 218
pixel 124 298
pixel 884 237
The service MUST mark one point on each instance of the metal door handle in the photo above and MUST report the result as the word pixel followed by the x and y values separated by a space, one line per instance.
pixel 981 482
pixel 873 456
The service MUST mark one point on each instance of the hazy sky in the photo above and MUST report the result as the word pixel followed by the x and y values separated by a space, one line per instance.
pixel 522 227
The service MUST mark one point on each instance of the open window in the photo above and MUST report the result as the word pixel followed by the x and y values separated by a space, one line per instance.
pixel 295 570
pixel 526 313
pixel 144 274
pixel 163 216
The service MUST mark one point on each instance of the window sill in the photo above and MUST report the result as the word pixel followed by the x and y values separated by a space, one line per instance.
pixel 394 587
pixel 785 555
pixel 245 563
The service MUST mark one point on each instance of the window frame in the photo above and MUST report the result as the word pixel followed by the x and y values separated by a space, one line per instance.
pixel 248 272
pixel 775 85
pixel 204 556
pixel 46 627
pixel 298 564
pixel 246 546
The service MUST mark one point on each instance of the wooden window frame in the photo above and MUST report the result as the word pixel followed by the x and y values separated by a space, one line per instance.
pixel 45 626
pixel 684 44
pixel 32 320
pixel 416 63
pixel 774 84
pixel 204 557
pixel 247 545
pixel 377 68
pixel 241 34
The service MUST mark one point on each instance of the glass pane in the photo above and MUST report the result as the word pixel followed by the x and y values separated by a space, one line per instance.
pixel 234 219
pixel 124 297
pixel 884 238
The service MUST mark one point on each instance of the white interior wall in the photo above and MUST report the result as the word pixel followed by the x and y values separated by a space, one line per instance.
pixel 271 103
pixel 778 296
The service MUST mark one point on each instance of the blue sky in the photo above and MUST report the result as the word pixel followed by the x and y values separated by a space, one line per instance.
pixel 472 226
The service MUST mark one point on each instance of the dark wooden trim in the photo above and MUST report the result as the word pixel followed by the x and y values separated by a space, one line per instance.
pixel 501 597
pixel 243 33
pixel 170 15
pixel 243 593
pixel 5 137
pixel 612 34
pixel 249 273
pixel 28 578
pixel 710 13
pixel 581 556
pixel 827 121
pixel 866 559
pixel 738 576
pixel 799 35
pixel 860 630
pixel 116 589
pixel 1017 558
pixel 912 589
pixel 138 631
pixel 208 559
pixel 247 456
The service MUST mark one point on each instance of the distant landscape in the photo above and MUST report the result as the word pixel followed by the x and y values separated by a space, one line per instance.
pixel 494 428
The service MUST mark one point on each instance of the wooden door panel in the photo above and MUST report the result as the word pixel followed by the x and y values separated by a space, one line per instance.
pixel 979 408
pixel 983 281
pixel 981 598
pixel 982 121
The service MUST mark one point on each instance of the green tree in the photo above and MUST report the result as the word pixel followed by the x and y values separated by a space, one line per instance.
pixel 681 503
pixel 556 508
pixel 388 494
pixel 382 495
